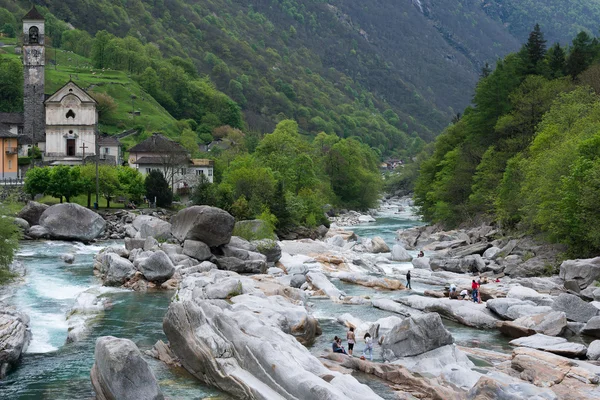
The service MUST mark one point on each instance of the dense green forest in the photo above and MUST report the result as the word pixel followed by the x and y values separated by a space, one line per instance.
pixel 526 154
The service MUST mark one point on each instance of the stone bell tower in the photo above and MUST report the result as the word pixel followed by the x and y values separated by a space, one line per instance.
pixel 33 74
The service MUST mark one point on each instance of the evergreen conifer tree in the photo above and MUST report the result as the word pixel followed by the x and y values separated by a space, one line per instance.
pixel 157 188
pixel 557 61
pixel 534 50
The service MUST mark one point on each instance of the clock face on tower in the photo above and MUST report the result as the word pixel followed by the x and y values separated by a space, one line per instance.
pixel 33 55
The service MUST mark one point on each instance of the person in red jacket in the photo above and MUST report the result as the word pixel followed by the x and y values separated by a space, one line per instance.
pixel 475 290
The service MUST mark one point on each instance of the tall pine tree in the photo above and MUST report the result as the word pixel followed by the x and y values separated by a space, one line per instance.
pixel 534 51
pixel 557 61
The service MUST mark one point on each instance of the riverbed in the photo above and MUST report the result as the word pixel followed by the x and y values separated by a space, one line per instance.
pixel 51 369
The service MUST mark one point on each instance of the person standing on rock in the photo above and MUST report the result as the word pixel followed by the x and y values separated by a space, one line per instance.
pixel 408 280
pixel 475 293
pixel 351 338
pixel 368 346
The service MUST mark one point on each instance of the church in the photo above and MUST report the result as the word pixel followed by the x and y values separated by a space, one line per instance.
pixel 62 125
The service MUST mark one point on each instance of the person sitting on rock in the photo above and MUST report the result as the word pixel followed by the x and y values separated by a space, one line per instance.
pixel 464 294
pixel 368 346
pixel 421 254
pixel 351 338
pixel 337 346
pixel 452 293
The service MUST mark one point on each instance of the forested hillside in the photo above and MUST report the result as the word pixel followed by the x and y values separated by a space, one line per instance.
pixel 527 153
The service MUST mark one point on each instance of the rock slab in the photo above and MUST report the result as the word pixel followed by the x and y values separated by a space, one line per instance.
pixel 120 372
pixel 210 225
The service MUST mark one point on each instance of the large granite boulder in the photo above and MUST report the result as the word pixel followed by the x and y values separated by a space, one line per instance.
pixel 158 267
pixel 244 347
pixel 414 336
pixel 21 223
pixel 120 372
pixel 584 271
pixel 38 232
pixel 511 308
pixel 593 352
pixel 70 221
pixel 421 263
pixel 149 226
pixel 14 337
pixel 399 253
pixel 32 212
pixel 196 249
pixel 592 327
pixel 465 312
pixel 115 269
pixel 551 323
pixel 210 225
pixel 269 248
pixel 576 309
pixel 551 344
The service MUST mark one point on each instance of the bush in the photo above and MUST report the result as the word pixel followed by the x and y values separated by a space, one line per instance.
pixel 158 188
pixel 9 242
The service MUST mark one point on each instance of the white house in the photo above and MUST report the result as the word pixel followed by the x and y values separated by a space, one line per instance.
pixel 110 149
pixel 169 157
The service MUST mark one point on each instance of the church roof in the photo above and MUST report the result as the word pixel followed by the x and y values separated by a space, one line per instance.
pixel 70 88
pixel 158 143
pixel 34 15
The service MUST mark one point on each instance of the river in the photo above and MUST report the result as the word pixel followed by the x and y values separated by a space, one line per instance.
pixel 51 369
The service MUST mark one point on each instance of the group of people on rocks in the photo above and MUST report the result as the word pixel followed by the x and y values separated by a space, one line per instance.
pixel 337 346
pixel 464 294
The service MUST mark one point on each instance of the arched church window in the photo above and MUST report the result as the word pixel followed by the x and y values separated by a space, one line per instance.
pixel 34 35
pixel 70 114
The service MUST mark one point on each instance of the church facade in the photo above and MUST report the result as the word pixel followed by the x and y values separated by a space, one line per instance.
pixel 63 125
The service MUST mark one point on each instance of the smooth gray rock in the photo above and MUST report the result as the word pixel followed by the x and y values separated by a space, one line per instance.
pixel 120 372
pixel 464 312
pixel 472 263
pixel 575 308
pixel 508 388
pixel 592 327
pixel 491 253
pixel 552 324
pixel 421 263
pixel 572 286
pixel 32 212
pixel 210 225
pixel 584 271
pixel 118 270
pixel 551 344
pixel 149 226
pixel 267 247
pixel 14 337
pixel 593 352
pixel 528 294
pixel 511 308
pixel 150 243
pixel 70 221
pixel 196 249
pixel 319 281
pixel 399 253
pixel 414 336
pixel 38 232
pixel 158 267
pixel 435 361
pixel 476 248
pixel 248 348
pixel 242 266
pixel 131 243
pixel 297 280
pixel 21 223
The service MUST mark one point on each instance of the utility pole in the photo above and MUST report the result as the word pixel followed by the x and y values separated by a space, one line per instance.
pixel 97 176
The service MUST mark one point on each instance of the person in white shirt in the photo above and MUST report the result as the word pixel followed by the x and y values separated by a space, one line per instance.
pixel 368 346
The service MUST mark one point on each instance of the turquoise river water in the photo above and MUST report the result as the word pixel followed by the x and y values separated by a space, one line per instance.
pixel 51 369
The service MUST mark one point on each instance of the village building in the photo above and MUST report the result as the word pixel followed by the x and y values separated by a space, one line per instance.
pixel 62 125
pixel 8 154
pixel 167 156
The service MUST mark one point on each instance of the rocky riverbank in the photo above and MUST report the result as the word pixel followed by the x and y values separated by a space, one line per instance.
pixel 244 315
